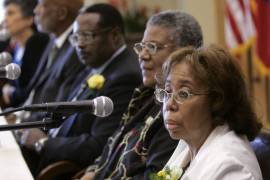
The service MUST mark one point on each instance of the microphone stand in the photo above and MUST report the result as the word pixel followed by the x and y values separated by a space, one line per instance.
pixel 52 120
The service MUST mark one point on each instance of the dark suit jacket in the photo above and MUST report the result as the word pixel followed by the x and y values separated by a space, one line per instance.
pixel 82 136
pixel 30 60
pixel 50 83
pixel 65 67
pixel 5 46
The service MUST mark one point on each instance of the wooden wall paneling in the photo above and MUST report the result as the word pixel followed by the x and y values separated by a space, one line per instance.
pixel 259 97
pixel 220 11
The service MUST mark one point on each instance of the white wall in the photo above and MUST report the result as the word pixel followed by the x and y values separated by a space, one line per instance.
pixel 88 2
pixel 1 10
pixel 203 10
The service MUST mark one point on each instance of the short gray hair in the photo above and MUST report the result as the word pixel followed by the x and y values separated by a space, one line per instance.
pixel 187 31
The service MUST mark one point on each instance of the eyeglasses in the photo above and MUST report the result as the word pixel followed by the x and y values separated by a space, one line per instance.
pixel 180 96
pixel 151 47
pixel 85 37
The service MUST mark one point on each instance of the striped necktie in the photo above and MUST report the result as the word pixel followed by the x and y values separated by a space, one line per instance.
pixel 52 56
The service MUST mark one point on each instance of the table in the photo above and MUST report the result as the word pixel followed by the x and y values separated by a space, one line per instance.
pixel 12 163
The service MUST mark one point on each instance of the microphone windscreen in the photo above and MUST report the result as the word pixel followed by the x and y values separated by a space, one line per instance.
pixel 103 106
pixel 5 58
pixel 4 35
pixel 13 71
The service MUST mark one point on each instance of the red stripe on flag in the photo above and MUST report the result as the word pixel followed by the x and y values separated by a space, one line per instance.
pixel 234 26
pixel 263 29
pixel 242 6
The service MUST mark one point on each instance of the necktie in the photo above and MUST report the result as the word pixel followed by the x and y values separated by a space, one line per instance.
pixel 79 92
pixel 54 132
pixel 83 86
pixel 52 56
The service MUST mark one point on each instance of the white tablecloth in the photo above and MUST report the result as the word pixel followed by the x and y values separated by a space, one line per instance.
pixel 12 163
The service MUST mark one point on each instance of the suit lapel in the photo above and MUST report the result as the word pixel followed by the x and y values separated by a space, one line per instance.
pixel 90 94
pixel 61 59
pixel 41 66
pixel 58 62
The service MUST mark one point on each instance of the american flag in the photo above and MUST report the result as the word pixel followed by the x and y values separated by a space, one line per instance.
pixel 247 22
pixel 239 25
pixel 262 20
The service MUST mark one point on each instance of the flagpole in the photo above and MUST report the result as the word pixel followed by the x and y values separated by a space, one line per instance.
pixel 267 97
pixel 250 72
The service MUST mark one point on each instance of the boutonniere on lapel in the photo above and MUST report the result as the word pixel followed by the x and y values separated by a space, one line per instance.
pixel 168 173
pixel 96 81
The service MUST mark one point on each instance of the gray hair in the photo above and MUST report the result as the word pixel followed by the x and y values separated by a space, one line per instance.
pixel 187 31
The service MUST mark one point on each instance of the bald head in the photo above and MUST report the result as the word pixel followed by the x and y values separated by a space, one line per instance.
pixel 49 14
pixel 73 6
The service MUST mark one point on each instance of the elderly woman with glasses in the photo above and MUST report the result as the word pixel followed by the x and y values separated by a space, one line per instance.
pixel 206 106
pixel 141 145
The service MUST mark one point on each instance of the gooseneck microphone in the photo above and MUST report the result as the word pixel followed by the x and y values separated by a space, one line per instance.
pixel 11 71
pixel 101 106
pixel 5 58
pixel 4 34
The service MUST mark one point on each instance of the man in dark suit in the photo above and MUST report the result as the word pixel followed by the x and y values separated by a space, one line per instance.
pixel 99 40
pixel 59 64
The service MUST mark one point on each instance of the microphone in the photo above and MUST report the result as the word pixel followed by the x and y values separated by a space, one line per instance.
pixel 4 34
pixel 5 58
pixel 11 71
pixel 101 106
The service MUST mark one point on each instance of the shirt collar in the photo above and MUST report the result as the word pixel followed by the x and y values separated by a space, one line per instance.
pixel 100 69
pixel 59 41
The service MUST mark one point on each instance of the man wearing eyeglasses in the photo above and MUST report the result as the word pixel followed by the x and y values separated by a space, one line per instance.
pixel 98 37
pixel 141 146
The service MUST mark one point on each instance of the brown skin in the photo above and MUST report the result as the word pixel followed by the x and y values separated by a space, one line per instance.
pixel 18 26
pixel 55 16
pixel 102 47
pixel 52 16
pixel 151 64
pixel 190 121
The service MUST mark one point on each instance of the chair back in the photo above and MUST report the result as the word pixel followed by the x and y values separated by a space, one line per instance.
pixel 261 147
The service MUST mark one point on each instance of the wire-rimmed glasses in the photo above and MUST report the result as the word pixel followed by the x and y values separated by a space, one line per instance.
pixel 179 96
pixel 151 47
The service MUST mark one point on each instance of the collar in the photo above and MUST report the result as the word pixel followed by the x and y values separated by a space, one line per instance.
pixel 100 69
pixel 59 41
pixel 183 148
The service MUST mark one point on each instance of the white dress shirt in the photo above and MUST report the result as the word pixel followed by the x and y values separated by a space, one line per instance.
pixel 223 156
